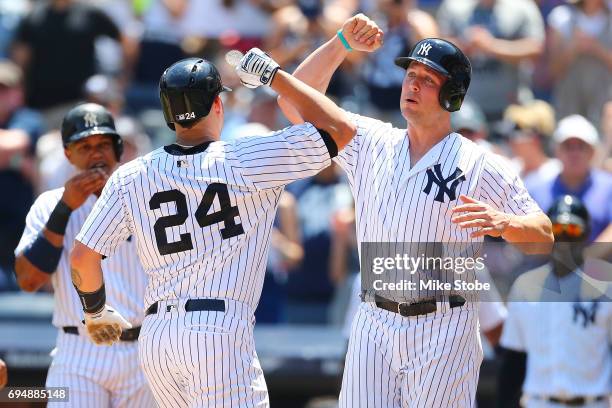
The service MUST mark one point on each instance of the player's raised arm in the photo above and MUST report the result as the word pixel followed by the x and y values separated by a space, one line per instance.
pixel 257 68
pixel 358 33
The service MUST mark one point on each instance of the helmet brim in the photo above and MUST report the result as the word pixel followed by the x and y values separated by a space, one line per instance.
pixel 98 130
pixel 404 62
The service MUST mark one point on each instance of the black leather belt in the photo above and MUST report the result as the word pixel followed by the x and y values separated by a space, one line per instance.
pixel 575 401
pixel 193 305
pixel 126 335
pixel 420 307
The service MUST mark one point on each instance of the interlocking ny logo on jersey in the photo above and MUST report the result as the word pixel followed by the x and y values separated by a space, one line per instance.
pixel 584 313
pixel 436 177
pixel 424 49
pixel 90 119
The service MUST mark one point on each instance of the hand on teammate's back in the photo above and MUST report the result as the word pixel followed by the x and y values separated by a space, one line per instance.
pixel 81 186
pixel 105 326
pixel 362 33
pixel 256 68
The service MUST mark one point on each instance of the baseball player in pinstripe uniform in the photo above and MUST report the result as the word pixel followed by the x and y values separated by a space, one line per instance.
pixel 96 376
pixel 420 184
pixel 202 212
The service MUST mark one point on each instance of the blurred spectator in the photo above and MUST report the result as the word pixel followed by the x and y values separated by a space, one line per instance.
pixel 11 12
pixel 19 130
pixel 105 91
pixel 575 142
pixel 605 159
pixel 557 335
pixel 261 117
pixel 238 24
pixel 532 125
pixel 404 25
pixel 136 143
pixel 296 31
pixel 581 57
pixel 165 28
pixel 497 35
pixel 285 253
pixel 113 58
pixel 309 287
pixel 55 46
pixel 470 122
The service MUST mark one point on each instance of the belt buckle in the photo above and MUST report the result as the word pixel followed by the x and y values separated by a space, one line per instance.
pixel 399 308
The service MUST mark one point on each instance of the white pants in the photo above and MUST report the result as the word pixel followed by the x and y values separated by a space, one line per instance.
pixel 98 376
pixel 423 361
pixel 202 359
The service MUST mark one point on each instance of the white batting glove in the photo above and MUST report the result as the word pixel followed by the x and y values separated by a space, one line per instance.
pixel 105 326
pixel 256 68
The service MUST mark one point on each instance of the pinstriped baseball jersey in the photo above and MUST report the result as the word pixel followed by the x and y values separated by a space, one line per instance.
pixel 429 360
pixel 397 203
pixel 123 274
pixel 202 216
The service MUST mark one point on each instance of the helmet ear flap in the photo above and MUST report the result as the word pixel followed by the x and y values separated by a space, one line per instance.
pixel 451 96
pixel 118 145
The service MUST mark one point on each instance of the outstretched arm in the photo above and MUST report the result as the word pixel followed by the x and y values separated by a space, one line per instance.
pixel 257 68
pixel 361 33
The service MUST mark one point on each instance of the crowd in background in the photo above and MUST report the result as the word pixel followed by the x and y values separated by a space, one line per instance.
pixel 541 95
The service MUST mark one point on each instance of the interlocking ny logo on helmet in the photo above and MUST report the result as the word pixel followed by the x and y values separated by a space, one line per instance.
pixel 187 90
pixel 424 49
pixel 90 119
pixel 445 58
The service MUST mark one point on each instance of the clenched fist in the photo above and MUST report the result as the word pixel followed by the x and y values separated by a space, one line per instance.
pixel 105 326
pixel 362 33
pixel 256 68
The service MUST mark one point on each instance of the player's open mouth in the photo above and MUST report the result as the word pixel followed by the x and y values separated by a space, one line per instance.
pixel 98 166
pixel 411 100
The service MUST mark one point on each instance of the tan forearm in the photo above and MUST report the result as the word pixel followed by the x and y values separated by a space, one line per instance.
pixel 314 107
pixel 514 51
pixel 530 230
pixel 85 268
pixel 316 71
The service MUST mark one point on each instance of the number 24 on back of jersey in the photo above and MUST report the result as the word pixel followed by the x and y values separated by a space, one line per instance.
pixel 227 214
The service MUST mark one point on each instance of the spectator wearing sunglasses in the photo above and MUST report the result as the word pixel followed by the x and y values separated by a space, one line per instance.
pixel 557 335
pixel 575 141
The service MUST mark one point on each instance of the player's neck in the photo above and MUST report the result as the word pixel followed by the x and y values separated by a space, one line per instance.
pixel 189 138
pixel 422 139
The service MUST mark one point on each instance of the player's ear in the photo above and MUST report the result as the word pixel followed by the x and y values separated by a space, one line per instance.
pixel 218 105
pixel 68 154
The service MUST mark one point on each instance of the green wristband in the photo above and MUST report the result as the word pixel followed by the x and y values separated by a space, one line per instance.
pixel 343 40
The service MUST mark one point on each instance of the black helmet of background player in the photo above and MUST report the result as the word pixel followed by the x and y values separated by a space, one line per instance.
pixel 570 219
pixel 187 90
pixel 90 119
pixel 448 60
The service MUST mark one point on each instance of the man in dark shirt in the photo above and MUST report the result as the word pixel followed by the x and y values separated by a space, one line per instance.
pixel 19 130
pixel 55 46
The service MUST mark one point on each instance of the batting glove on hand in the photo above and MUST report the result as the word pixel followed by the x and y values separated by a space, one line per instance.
pixel 256 68
pixel 105 326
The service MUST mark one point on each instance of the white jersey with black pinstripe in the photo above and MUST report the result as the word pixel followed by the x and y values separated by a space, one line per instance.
pixel 430 360
pixel 97 376
pixel 122 272
pixel 202 217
